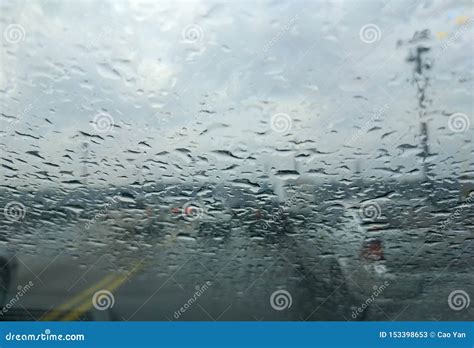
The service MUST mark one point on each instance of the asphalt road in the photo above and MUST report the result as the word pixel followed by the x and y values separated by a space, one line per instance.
pixel 183 275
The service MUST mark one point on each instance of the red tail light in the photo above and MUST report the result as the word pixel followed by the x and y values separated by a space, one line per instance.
pixel 373 250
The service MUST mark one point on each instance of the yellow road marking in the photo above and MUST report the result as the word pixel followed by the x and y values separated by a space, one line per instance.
pixel 55 313
pixel 86 305
pixel 84 298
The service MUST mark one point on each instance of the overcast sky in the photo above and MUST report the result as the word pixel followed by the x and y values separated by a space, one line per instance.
pixel 269 79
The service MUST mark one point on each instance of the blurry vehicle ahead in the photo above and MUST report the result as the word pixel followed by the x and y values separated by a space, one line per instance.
pixel 128 213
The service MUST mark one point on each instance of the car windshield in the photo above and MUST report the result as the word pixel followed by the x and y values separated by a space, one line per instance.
pixel 217 160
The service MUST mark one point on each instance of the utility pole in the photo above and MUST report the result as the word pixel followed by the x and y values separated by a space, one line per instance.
pixel 85 158
pixel 421 80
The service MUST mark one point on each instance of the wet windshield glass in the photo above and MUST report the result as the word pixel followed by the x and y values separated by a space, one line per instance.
pixel 236 161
